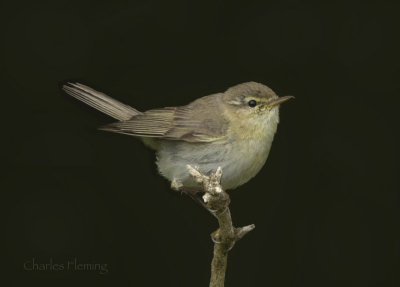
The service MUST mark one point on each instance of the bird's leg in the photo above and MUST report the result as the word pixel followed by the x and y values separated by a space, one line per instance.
pixel 193 192
pixel 176 184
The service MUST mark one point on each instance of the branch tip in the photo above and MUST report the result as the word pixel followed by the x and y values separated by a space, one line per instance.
pixel 240 232
pixel 227 235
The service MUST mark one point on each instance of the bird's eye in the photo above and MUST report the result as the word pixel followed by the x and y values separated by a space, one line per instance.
pixel 252 103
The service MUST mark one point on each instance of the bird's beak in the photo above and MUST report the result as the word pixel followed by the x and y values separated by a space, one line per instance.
pixel 278 101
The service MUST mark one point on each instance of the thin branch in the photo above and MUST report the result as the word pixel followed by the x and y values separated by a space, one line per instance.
pixel 217 200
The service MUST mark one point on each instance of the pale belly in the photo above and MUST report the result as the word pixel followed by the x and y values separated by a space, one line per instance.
pixel 239 160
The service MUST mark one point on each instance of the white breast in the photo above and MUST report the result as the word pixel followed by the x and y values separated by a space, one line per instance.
pixel 240 160
pixel 250 155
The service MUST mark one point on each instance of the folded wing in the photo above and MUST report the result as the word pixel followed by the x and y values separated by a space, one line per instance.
pixel 195 122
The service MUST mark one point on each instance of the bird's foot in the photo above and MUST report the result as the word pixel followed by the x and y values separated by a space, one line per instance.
pixel 176 185
pixel 196 193
pixel 214 196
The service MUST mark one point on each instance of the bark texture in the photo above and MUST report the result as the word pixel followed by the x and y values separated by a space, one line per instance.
pixel 217 201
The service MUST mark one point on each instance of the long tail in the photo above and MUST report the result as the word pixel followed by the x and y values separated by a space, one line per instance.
pixel 100 101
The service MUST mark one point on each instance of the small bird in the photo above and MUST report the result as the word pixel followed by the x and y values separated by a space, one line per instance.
pixel 233 130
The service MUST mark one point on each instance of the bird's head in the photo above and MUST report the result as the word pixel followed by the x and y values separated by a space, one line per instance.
pixel 252 105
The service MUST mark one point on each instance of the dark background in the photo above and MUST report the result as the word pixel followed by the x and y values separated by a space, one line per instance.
pixel 326 204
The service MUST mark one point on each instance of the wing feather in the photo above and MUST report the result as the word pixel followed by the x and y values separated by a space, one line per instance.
pixel 195 122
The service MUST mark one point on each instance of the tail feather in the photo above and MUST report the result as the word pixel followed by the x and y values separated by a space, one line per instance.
pixel 100 101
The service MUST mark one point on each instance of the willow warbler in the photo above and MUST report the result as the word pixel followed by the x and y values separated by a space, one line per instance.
pixel 232 130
